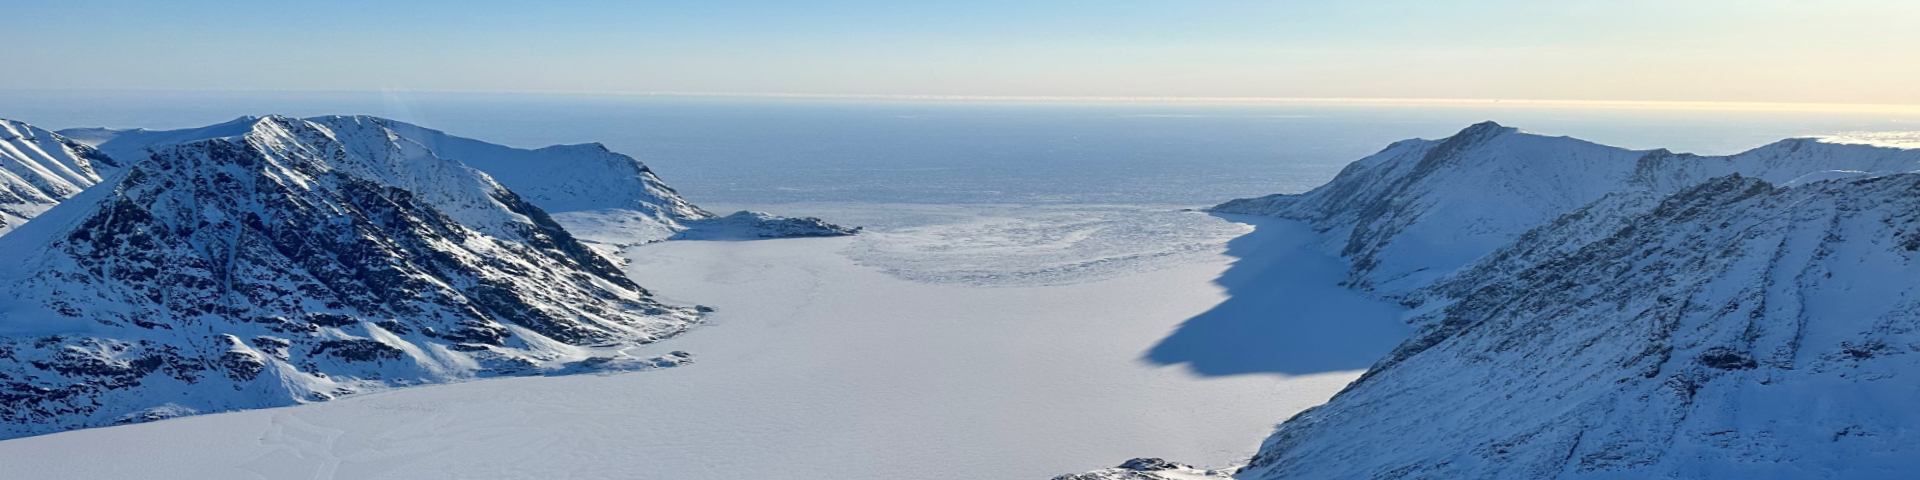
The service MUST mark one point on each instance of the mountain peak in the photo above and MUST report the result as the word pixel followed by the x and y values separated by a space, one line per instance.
pixel 1485 129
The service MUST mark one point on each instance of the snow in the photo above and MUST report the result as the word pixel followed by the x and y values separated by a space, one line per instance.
pixel 1419 209
pixel 814 366
pixel 131 146
pixel 1879 139
pixel 39 169
pixel 207 247
pixel 614 196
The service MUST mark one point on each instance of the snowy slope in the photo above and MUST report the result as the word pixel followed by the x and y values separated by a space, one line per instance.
pixel 133 145
pixel 602 195
pixel 1422 208
pixel 39 169
pixel 1737 329
pixel 297 262
pixel 1689 320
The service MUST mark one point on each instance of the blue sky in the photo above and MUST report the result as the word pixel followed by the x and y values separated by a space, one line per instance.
pixel 1764 51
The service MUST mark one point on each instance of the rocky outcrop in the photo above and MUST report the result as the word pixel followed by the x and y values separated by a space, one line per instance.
pixel 747 225
pixel 1150 469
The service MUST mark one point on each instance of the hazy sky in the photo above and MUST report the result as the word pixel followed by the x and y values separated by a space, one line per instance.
pixel 1712 50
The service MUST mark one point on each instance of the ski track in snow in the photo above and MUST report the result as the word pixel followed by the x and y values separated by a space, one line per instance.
pixel 829 358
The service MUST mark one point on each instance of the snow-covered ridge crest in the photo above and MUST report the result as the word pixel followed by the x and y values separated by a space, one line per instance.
pixel 1422 208
pixel 39 169
pixel 297 262
pixel 1734 329
pixel 601 195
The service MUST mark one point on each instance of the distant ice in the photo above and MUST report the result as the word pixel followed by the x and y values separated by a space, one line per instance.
pixel 1007 245
pixel 1880 139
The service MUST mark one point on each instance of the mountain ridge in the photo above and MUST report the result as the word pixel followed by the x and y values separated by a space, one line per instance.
pixel 1739 316
pixel 603 196
pixel 1422 208
pixel 297 263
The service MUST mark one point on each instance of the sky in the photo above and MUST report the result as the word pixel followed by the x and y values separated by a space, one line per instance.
pixel 1862 52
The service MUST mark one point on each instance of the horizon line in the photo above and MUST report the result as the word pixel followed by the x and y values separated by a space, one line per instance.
pixel 1705 105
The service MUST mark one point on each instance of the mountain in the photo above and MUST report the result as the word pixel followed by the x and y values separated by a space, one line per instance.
pixel 599 194
pixel 1737 329
pixel 39 169
pixel 298 261
pixel 1639 314
pixel 1420 209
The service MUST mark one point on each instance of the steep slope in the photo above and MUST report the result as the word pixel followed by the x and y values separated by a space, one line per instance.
pixel 297 262
pixel 1423 208
pixel 602 195
pixel 1737 329
pixel 39 169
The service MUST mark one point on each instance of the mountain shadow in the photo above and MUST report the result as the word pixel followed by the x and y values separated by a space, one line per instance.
pixel 1287 312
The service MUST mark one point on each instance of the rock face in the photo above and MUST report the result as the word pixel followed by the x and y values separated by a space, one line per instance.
pixel 1423 208
pixel 1737 329
pixel 39 169
pixel 601 195
pixel 295 262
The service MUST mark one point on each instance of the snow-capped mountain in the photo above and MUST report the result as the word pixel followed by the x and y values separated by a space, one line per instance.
pixel 39 169
pixel 1745 316
pixel 1737 329
pixel 599 194
pixel 297 261
pixel 1422 208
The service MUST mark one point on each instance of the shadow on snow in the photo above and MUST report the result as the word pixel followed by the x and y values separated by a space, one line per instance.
pixel 1286 312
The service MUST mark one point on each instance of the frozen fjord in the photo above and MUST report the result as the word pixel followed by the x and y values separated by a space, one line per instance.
pixel 816 366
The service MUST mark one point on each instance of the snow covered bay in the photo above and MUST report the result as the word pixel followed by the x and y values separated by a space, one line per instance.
pixel 825 360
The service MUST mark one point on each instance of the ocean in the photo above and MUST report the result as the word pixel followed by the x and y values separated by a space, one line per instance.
pixel 762 151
